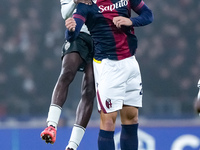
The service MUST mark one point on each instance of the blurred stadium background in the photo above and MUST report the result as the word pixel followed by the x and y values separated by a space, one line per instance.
pixel 31 37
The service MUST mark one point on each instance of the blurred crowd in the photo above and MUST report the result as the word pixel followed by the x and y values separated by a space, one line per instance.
pixel 169 56
pixel 32 34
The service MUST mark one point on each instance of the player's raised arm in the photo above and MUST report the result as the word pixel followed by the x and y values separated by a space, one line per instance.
pixel 73 26
pixel 145 14
pixel 68 6
pixel 75 23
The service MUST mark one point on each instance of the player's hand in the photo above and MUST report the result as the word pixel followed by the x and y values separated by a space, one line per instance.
pixel 70 24
pixel 122 21
pixel 87 2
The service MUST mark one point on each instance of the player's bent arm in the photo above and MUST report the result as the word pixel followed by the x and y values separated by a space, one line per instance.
pixel 67 9
pixel 145 16
pixel 72 35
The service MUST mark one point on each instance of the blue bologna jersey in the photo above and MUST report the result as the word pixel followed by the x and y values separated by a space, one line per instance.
pixel 109 41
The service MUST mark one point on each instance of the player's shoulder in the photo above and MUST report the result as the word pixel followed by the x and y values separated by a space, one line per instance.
pixel 198 84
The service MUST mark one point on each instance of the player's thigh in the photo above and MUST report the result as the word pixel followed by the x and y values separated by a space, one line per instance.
pixel 108 120
pixel 71 62
pixel 129 115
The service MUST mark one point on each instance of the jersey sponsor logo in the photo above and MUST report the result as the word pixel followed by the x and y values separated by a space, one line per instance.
pixel 108 103
pixel 112 7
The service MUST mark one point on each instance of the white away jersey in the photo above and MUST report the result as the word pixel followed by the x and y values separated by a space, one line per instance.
pixel 65 2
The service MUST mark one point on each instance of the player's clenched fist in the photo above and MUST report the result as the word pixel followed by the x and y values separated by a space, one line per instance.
pixel 119 21
pixel 70 24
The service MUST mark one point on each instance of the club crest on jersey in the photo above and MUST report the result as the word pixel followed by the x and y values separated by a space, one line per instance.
pixel 108 103
pixel 67 45
pixel 112 7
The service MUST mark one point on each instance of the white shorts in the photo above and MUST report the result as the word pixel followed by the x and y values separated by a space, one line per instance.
pixel 117 83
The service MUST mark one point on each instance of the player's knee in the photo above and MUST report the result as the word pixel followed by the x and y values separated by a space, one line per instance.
pixel 108 125
pixel 130 119
pixel 134 119
pixel 108 120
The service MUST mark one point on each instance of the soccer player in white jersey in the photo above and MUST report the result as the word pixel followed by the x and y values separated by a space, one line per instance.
pixel 76 55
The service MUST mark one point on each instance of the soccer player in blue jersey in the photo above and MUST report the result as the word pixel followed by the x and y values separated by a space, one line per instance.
pixel 76 55
pixel 117 75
